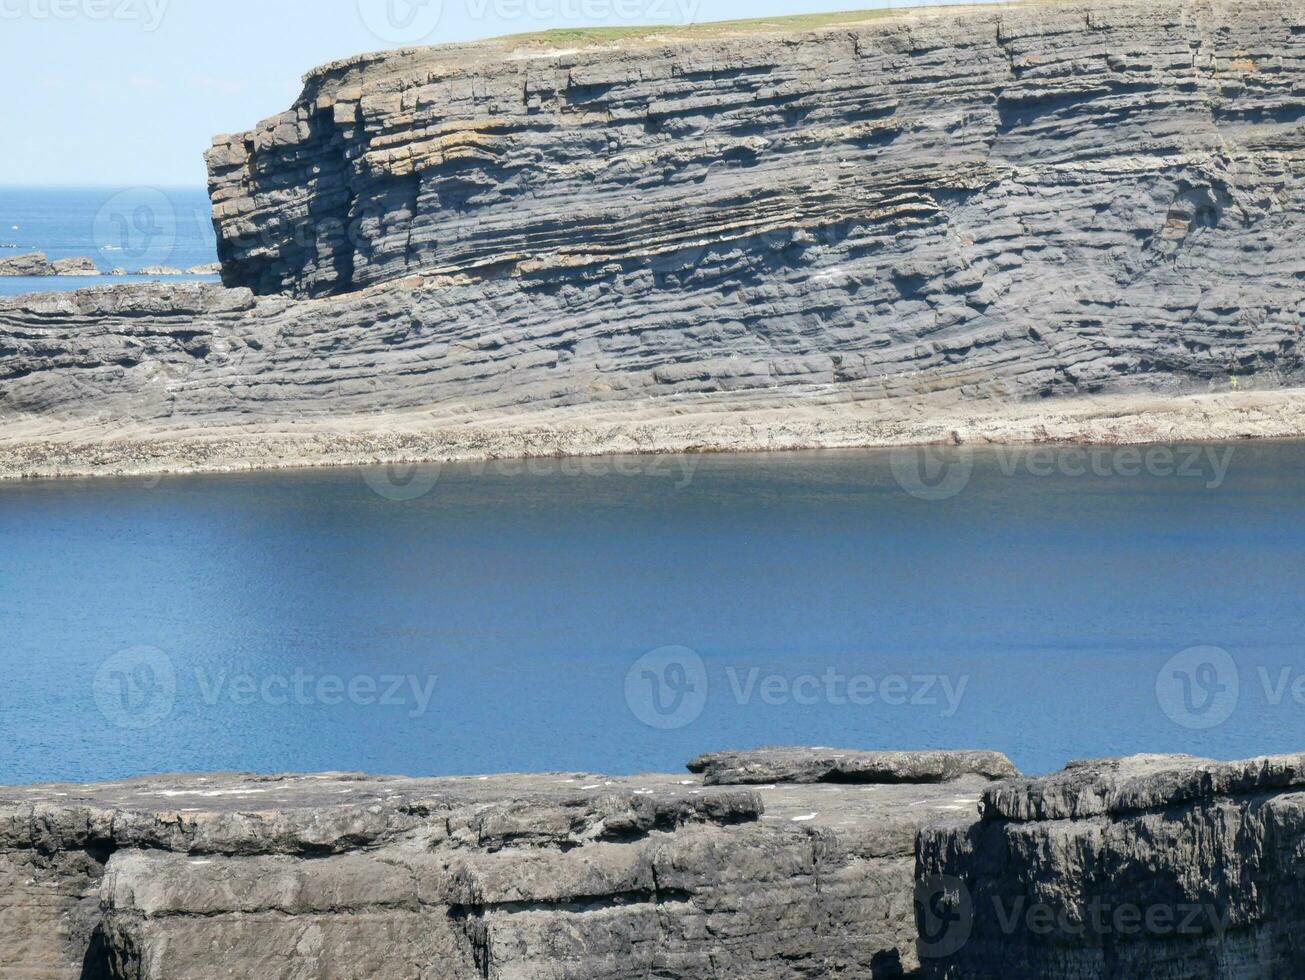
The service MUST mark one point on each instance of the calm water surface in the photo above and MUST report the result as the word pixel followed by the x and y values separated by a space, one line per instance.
pixel 503 619
pixel 128 228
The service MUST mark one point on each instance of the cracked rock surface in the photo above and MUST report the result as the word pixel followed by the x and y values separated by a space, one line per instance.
pixel 561 875
pixel 1151 866
pixel 819 765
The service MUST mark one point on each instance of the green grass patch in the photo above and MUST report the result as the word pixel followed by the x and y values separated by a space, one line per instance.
pixel 568 36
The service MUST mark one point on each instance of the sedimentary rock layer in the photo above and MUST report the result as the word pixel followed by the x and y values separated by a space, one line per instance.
pixel 1154 866
pixel 559 876
pixel 912 213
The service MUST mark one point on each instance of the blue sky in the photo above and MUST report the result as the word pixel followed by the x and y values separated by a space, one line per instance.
pixel 130 92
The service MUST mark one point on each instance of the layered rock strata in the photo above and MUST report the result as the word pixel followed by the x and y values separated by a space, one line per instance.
pixel 1154 866
pixel 901 221
pixel 554 876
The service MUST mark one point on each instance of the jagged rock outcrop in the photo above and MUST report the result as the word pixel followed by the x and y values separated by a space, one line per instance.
pixel 75 267
pixel 1148 867
pixel 36 264
pixel 30 264
pixel 883 219
pixel 559 876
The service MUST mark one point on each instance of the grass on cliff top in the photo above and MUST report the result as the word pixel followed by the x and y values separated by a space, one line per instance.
pixel 724 28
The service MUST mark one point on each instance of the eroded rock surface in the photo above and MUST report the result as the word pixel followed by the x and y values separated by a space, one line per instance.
pixel 1030 202
pixel 819 765
pixel 31 264
pixel 1153 866
pixel 559 876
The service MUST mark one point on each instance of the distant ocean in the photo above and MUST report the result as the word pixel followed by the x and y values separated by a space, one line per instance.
pixel 127 228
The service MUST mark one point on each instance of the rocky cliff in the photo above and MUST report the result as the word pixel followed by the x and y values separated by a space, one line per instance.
pixel 1154 866
pixel 885 228
pixel 559 876
pixel 843 864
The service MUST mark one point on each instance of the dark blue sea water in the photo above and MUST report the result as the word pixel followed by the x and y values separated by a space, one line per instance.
pixel 127 228
pixel 624 615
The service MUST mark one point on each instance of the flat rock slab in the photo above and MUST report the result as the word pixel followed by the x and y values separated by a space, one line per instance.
pixel 1116 787
pixel 561 875
pixel 803 765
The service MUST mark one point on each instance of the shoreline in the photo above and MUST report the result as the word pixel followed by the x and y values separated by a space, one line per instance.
pixel 44 449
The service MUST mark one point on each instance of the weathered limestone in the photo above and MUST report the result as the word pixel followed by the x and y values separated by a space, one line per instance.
pixel 800 765
pixel 1154 866
pixel 36 264
pixel 1149 867
pixel 75 267
pixel 559 876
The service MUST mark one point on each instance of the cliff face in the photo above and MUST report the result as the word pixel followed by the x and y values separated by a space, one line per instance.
pixel 963 155
pixel 845 863
pixel 1154 866
pixel 1054 197
pixel 561 876
pixel 869 221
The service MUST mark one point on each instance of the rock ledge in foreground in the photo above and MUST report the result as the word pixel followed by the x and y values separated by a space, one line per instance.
pixel 800 765
pixel 557 875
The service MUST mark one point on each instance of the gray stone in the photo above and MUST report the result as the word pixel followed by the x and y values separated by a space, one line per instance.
pixel 558 876
pixel 32 264
pixel 1149 867
pixel 802 765
pixel 75 267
